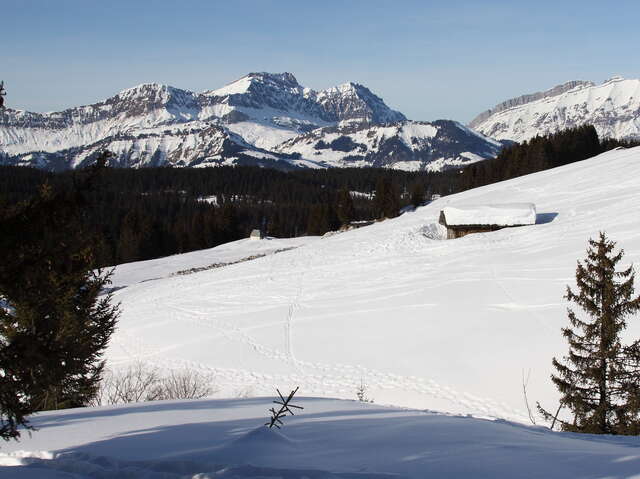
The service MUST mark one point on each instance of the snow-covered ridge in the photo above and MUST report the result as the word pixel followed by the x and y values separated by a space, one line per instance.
pixel 406 145
pixel 613 107
pixel 528 98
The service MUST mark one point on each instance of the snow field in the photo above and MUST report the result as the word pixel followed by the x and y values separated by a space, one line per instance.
pixel 439 325
pixel 442 325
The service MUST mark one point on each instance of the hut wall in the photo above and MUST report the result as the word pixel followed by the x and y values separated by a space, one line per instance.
pixel 459 232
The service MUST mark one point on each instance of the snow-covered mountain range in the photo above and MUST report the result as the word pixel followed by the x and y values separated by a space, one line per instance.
pixel 262 118
pixel 613 107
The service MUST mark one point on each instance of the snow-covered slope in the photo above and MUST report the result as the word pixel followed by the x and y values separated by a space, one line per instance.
pixel 445 325
pixel 329 439
pixel 155 124
pixel 154 269
pixel 407 145
pixel 612 107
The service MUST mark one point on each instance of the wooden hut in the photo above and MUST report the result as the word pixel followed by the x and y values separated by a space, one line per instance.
pixel 463 220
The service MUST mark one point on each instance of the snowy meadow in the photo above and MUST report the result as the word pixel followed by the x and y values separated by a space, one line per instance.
pixel 440 332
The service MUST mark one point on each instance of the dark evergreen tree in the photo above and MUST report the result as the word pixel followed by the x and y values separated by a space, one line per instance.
pixel 597 380
pixel 387 198
pixel 417 194
pixel 54 323
pixel 322 218
pixel 344 206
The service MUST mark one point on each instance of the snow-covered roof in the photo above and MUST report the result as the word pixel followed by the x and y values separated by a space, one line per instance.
pixel 508 214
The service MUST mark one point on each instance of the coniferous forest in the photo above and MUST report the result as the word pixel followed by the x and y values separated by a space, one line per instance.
pixel 152 212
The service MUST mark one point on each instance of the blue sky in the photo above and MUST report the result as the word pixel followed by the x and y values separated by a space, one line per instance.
pixel 428 59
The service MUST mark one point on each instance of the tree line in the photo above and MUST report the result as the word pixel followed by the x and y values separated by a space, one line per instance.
pixel 538 154
pixel 153 212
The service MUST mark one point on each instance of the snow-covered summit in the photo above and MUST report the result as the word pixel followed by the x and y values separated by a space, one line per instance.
pixel 613 107
pixel 354 101
pixel 283 81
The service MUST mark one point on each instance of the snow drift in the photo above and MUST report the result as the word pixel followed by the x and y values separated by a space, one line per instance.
pixel 330 440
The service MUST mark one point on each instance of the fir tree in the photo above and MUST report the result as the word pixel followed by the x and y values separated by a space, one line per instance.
pixel 54 323
pixel 597 380
pixel 344 206
pixel 387 198
pixel 417 194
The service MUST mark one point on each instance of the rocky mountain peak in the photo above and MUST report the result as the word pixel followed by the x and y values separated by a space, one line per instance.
pixel 612 107
pixel 350 101
pixel 285 79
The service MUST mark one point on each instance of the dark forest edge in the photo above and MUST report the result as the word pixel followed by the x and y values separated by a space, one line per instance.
pixel 153 212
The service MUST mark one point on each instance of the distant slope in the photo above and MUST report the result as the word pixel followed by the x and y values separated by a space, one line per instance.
pixel 612 107
pixel 129 274
pixel 407 145
pixel 444 325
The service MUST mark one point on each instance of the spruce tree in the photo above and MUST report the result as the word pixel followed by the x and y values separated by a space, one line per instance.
pixel 387 198
pixel 55 321
pixel 597 380
pixel 344 206
pixel 417 194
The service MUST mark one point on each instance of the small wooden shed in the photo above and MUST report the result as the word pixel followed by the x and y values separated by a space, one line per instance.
pixel 463 220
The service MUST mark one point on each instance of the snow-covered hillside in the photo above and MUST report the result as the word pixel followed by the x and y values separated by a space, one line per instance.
pixel 407 145
pixel 423 322
pixel 612 107
pixel 239 124
pixel 329 439
pixel 237 251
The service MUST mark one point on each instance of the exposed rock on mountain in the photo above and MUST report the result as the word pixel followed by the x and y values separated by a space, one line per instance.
pixel 613 107
pixel 405 145
pixel 263 119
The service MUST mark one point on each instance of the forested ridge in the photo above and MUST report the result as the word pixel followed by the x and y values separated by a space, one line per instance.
pixel 147 213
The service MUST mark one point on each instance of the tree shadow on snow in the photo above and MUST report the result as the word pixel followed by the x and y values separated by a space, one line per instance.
pixel 411 444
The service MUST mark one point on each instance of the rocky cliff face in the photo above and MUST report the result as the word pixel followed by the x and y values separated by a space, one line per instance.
pixel 613 107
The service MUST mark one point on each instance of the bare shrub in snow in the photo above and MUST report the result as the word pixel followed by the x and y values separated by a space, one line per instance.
pixel 140 383
pixel 137 383
pixel 186 384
